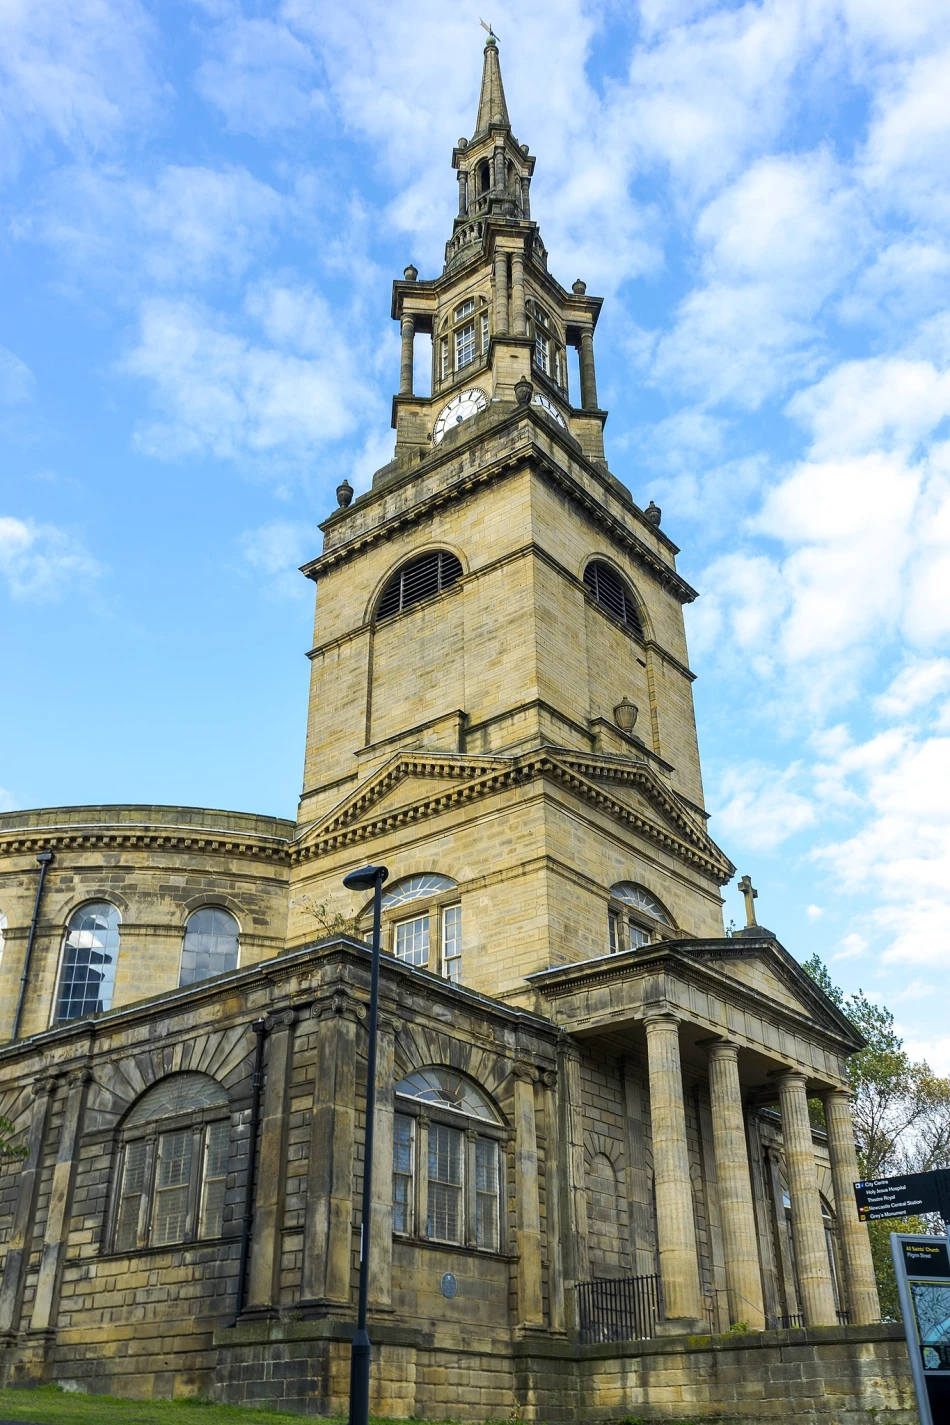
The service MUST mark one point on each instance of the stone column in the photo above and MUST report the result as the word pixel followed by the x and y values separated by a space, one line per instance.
pixel 808 1229
pixel 500 292
pixel 519 315
pixel 676 1228
pixel 45 1302
pixel 499 169
pixel 14 1268
pixel 860 1283
pixel 381 1224
pixel 588 377
pixel 739 1237
pixel 526 197
pixel 328 1235
pixel 577 1252
pixel 463 192
pixel 527 1200
pixel 263 1289
pixel 407 330
pixel 552 1201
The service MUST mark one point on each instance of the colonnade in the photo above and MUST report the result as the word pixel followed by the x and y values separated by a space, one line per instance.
pixel 676 1232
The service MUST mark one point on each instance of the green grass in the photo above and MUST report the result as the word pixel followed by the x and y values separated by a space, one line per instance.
pixel 49 1405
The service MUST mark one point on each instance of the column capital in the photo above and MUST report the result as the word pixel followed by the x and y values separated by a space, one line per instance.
pixel 339 1004
pixel 523 1070
pixel 664 1018
pixel 843 1091
pixel 791 1076
pixel 722 1049
pixel 285 1019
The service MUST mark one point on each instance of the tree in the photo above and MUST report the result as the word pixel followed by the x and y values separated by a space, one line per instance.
pixel 901 1112
pixel 8 1149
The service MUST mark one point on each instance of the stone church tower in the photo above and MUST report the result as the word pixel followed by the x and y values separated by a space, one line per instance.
pixel 594 1155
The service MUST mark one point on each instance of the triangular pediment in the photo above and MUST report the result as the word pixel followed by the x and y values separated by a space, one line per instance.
pixel 413 785
pixel 634 788
pixel 767 969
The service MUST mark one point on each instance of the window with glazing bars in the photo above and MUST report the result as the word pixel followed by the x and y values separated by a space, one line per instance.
pixel 420 579
pixel 485 333
pixel 464 345
pixel 609 590
pixel 452 943
pixel 486 1194
pixel 411 941
pixel 445 1183
pixel 402 1173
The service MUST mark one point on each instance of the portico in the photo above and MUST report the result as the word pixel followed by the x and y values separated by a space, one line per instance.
pixel 722 1031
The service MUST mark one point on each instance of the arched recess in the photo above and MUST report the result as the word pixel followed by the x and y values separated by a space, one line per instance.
pixel 607 1214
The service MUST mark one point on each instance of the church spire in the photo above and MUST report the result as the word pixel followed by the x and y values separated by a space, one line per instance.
pixel 492 108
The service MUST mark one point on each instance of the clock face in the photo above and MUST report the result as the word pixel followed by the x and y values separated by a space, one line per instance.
pixel 551 409
pixel 462 405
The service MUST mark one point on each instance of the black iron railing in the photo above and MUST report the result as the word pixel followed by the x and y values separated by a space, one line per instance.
pixel 844 1318
pixel 787 1322
pixel 618 1309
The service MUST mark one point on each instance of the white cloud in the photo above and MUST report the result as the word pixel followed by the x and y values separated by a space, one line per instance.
pixel 759 807
pixel 234 396
pixel 851 947
pixel 814 912
pixel 187 224
pixel 260 75
pixel 915 687
pixel 75 75
pixel 16 379
pixel 42 561
pixel 277 549
pixel 777 243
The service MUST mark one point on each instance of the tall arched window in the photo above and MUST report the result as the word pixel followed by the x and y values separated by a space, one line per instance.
pixel 90 951
pixel 210 946
pixel 430 934
pixel 635 917
pixel 171 1171
pixel 613 595
pixel 447 1174
pixel 422 578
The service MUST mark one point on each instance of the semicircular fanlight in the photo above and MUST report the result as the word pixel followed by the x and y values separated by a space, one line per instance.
pixel 641 899
pixel 178 1093
pixel 414 888
pixel 451 1090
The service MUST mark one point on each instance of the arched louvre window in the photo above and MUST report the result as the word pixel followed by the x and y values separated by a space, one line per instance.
pixel 611 592
pixel 172 1166
pixel 90 951
pixel 420 579
pixel 210 946
pixel 462 1171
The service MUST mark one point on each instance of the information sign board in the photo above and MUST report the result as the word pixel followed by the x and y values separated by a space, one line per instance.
pixel 909 1195
pixel 922 1269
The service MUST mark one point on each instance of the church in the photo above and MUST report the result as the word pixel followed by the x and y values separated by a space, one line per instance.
pixel 598 1190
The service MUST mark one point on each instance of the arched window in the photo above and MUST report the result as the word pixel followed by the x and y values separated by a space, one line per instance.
pixel 612 594
pixel 484 177
pixel 90 951
pixel 431 935
pixel 635 918
pixel 447 1180
pixel 422 578
pixel 210 946
pixel 172 1165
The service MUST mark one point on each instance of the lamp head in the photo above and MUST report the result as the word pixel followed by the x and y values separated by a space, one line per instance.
pixel 365 878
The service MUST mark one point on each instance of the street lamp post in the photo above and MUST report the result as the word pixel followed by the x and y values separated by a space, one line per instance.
pixel 368 877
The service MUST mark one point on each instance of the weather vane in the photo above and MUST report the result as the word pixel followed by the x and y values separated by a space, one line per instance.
pixel 488 28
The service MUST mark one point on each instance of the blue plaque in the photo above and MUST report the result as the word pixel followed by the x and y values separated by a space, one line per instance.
pixel 449 1285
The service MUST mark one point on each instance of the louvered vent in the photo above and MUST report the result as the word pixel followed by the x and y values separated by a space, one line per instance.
pixel 420 579
pixel 612 594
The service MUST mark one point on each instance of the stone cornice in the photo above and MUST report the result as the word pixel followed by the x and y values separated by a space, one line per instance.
pixel 481 777
pixel 686 958
pixel 501 467
pixel 26 839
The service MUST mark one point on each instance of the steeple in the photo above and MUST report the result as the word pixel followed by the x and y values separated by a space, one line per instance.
pixel 492 108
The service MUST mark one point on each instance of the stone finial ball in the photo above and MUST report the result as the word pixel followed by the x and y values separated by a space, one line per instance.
pixel 579 288
pixel 344 494
pixel 653 514
pixel 523 391
pixel 410 273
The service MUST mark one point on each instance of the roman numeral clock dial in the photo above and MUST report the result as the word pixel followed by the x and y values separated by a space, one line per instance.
pixel 462 407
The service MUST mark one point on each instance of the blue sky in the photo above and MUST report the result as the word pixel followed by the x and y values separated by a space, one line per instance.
pixel 202 207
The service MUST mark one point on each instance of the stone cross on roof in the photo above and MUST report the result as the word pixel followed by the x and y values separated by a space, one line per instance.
pixel 749 894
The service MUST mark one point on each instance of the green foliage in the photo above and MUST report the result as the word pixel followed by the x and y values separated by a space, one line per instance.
pixel 8 1149
pixel 739 1328
pixel 901 1108
pixel 329 922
